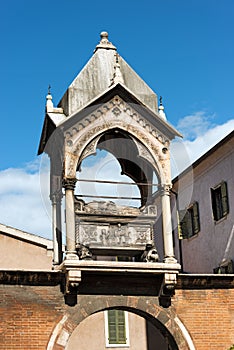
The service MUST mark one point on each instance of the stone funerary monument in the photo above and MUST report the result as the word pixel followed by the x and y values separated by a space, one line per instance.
pixel 109 107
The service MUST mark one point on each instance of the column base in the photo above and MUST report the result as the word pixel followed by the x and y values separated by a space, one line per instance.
pixel 170 260
pixel 71 255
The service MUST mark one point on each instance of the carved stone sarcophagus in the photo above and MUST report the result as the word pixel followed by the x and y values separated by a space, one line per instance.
pixel 105 228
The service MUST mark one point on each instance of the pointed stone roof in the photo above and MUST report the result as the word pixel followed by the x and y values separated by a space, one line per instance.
pixel 104 74
pixel 100 72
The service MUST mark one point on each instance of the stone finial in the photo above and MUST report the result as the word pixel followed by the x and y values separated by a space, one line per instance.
pixel 105 43
pixel 117 76
pixel 161 109
pixel 49 102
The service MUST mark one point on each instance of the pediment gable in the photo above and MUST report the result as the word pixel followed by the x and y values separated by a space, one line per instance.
pixel 118 100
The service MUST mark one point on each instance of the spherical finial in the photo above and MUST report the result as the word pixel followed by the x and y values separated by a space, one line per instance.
pixel 104 42
pixel 104 35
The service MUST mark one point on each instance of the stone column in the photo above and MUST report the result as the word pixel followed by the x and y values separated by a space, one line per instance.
pixel 56 198
pixel 69 185
pixel 166 225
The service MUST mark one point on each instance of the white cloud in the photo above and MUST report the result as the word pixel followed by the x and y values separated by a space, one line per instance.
pixel 21 203
pixel 195 125
pixel 105 168
pixel 200 135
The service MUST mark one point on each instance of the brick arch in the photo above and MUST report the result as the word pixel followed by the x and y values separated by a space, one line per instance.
pixel 147 307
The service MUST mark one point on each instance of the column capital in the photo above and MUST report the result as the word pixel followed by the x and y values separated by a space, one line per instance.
pixel 69 183
pixel 165 189
pixel 56 197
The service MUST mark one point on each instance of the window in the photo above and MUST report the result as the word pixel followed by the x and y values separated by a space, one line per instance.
pixel 219 197
pixel 225 267
pixel 189 221
pixel 116 327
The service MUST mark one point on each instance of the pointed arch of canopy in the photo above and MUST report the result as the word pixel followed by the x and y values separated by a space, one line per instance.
pixel 140 142
pixel 134 158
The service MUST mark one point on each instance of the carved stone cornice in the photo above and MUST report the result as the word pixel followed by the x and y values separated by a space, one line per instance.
pixel 69 183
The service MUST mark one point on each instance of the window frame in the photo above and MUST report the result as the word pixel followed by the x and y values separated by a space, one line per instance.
pixel 126 325
pixel 219 201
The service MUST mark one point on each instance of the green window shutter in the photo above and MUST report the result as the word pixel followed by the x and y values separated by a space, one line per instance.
pixel 215 207
pixel 121 327
pixel 219 197
pixel 189 221
pixel 112 334
pixel 196 220
pixel 224 196
pixel 116 327
pixel 183 225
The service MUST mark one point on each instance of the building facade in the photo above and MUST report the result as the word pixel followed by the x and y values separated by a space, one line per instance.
pixel 116 283
pixel 204 194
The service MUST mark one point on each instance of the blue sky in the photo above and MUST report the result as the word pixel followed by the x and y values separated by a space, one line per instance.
pixel 183 49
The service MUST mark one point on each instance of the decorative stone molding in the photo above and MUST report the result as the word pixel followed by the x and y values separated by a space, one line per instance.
pixel 70 165
pixel 117 114
pixel 90 149
pixel 144 152
pixel 117 106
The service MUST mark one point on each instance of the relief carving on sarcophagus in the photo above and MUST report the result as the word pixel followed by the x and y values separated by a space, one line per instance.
pixel 104 227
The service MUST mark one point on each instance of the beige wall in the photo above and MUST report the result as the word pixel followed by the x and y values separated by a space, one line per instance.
pixel 17 253
pixel 205 251
pixel 90 334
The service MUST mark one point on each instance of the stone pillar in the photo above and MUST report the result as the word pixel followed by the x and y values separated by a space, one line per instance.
pixel 57 227
pixel 69 185
pixel 167 225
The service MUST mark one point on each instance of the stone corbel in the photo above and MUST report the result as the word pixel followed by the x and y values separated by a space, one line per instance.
pixel 167 288
pixel 73 279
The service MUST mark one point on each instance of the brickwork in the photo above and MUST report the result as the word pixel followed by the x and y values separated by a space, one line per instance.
pixel 36 317
pixel 208 315
pixel 28 316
